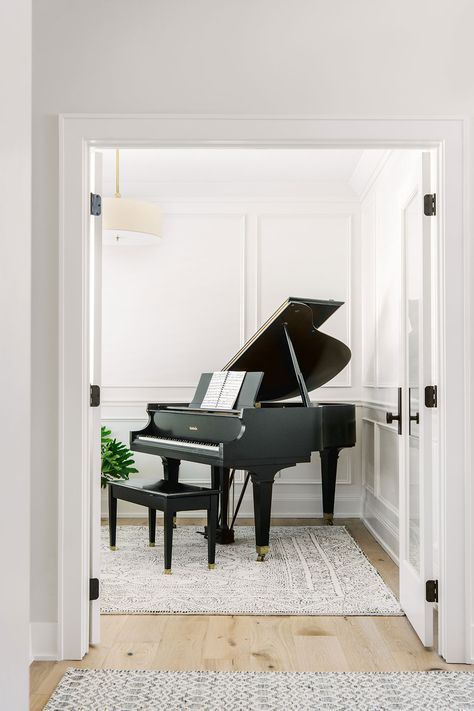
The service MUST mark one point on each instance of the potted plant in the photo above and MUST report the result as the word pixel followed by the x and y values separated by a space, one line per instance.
pixel 117 459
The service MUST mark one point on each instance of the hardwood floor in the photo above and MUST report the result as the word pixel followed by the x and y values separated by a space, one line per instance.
pixel 250 643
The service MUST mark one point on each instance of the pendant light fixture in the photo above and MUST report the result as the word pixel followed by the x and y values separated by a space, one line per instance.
pixel 129 221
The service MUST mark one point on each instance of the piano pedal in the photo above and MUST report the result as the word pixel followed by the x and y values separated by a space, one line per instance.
pixel 261 553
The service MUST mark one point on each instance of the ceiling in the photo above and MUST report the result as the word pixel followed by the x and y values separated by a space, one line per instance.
pixel 231 165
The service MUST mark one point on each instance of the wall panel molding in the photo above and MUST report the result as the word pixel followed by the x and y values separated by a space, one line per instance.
pixel 379 514
pixel 124 403
pixel 348 297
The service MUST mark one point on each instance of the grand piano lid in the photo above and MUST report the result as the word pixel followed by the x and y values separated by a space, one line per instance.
pixel 320 357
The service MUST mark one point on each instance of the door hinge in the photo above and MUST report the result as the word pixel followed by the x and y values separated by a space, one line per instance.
pixel 431 396
pixel 96 204
pixel 429 203
pixel 431 591
pixel 95 396
pixel 94 589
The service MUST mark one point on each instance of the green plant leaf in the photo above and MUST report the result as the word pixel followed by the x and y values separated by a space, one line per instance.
pixel 117 459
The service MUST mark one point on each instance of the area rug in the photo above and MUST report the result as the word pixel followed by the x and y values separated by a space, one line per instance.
pixel 118 690
pixel 310 570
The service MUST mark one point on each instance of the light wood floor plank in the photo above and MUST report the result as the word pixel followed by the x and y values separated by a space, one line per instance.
pixel 181 647
pixel 131 655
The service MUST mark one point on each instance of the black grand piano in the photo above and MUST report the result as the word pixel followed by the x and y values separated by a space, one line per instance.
pixel 262 433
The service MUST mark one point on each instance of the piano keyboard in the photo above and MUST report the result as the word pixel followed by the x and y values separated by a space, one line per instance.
pixel 208 447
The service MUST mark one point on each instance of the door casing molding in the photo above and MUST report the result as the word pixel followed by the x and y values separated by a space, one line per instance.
pixel 78 133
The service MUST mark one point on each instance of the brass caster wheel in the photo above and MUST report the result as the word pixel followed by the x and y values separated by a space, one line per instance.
pixel 262 552
pixel 328 519
pixel 151 545
pixel 167 571
pixel 113 548
pixel 211 566
pixel 260 558
pixel 174 522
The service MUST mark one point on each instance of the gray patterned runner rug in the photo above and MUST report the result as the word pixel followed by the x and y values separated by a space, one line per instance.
pixel 311 570
pixel 117 690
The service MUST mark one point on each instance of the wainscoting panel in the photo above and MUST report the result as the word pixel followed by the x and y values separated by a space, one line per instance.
pixel 318 248
pixel 368 454
pixel 186 305
pixel 369 295
pixel 380 452
pixel 174 309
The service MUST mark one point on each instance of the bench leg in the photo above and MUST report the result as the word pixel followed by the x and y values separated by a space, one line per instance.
pixel 112 520
pixel 151 527
pixel 211 532
pixel 168 537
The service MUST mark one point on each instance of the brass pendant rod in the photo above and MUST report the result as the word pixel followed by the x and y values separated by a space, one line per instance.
pixel 117 173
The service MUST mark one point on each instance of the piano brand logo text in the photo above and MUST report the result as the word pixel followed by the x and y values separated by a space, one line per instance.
pixel 193 428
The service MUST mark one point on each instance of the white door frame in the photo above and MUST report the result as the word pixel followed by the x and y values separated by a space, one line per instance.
pixel 77 134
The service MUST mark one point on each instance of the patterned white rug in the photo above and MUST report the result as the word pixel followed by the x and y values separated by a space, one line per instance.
pixel 311 570
pixel 107 690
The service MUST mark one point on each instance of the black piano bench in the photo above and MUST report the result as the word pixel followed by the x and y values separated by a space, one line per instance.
pixel 169 497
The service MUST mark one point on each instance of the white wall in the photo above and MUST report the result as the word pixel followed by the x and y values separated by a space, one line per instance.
pixel 255 57
pixel 186 304
pixel 15 237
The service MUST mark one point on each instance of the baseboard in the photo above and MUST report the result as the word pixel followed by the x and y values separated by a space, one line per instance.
pixel 44 641
pixel 287 507
pixel 387 548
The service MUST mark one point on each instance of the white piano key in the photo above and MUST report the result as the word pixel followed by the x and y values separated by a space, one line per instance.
pixel 180 443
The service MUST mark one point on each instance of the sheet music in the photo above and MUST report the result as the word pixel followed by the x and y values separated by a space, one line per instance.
pixel 223 390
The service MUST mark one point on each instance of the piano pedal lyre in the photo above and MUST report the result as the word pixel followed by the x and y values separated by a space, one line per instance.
pixel 261 553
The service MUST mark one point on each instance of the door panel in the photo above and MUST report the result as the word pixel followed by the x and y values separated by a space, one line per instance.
pixel 416 537
pixel 95 302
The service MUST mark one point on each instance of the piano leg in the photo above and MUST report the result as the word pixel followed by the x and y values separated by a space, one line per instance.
pixel 220 480
pixel 329 459
pixel 262 481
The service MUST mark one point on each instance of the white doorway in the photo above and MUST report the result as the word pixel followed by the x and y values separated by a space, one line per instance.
pixel 86 535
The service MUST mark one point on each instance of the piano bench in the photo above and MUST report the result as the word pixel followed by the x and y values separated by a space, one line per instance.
pixel 168 497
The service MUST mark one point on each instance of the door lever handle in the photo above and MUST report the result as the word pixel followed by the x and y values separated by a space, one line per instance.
pixel 412 418
pixel 390 417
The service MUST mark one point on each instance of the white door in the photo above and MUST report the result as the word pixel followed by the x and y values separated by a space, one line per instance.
pixel 95 314
pixel 416 460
